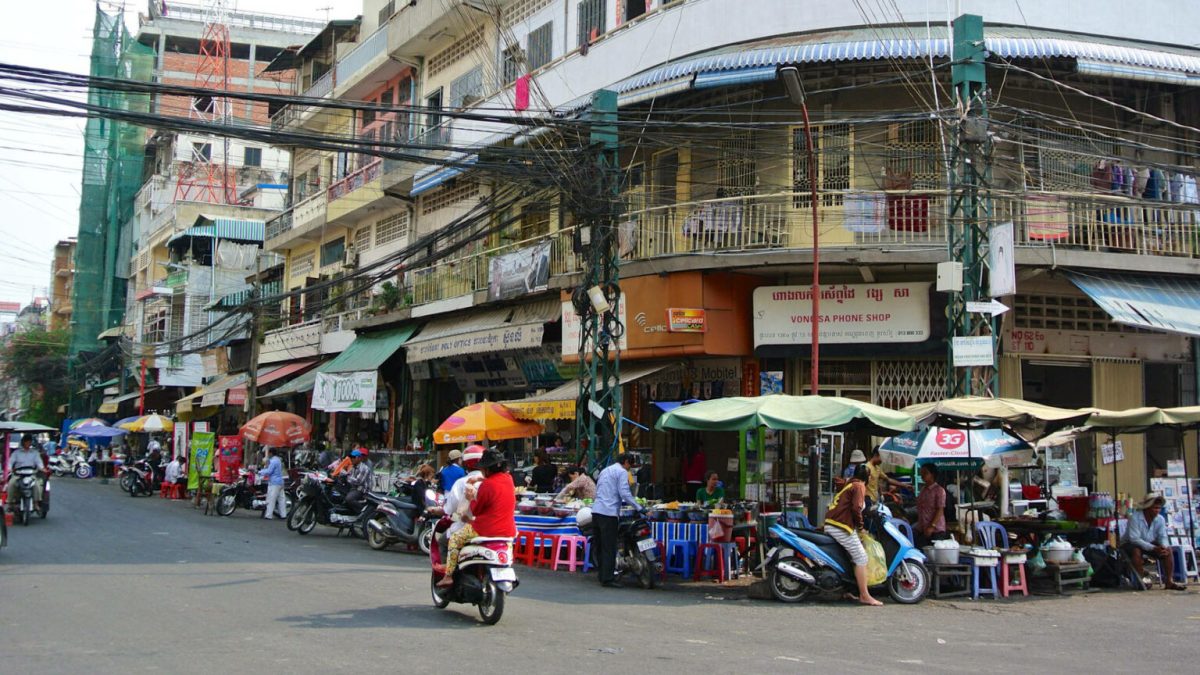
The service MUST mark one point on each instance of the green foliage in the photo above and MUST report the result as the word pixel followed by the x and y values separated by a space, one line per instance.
pixel 37 361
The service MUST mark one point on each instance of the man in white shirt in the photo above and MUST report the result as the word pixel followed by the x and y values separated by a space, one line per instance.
pixel 612 491
pixel 175 471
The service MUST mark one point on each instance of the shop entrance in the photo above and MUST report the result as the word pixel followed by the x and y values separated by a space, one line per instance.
pixel 1065 384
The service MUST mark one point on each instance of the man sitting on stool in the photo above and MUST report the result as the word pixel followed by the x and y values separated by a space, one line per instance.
pixel 1146 536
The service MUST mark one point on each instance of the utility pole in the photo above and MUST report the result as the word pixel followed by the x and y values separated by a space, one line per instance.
pixel 598 411
pixel 255 334
pixel 970 207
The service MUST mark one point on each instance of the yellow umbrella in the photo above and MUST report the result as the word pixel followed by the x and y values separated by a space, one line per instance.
pixel 148 423
pixel 484 421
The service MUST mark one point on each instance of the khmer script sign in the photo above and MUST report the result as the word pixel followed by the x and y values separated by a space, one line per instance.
pixel 849 313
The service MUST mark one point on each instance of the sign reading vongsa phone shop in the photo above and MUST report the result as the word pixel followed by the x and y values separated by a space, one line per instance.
pixel 850 313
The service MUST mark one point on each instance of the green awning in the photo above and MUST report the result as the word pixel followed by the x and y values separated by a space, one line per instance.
pixel 369 350
pixel 300 385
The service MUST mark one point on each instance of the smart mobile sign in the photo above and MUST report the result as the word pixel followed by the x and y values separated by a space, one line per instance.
pixel 850 313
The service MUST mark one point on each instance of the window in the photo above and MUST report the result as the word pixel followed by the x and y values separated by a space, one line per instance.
pixel 666 175
pixel 202 152
pixel 735 163
pixel 535 221
pixel 433 103
pixel 913 154
pixel 204 104
pixel 333 252
pixel 386 12
pixel 252 157
pixel 541 46
pixel 467 89
pixel 634 9
pixel 392 228
pixel 831 147
pixel 510 63
pixel 591 21
pixel 362 239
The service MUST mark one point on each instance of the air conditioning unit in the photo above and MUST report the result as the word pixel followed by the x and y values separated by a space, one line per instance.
pixel 351 258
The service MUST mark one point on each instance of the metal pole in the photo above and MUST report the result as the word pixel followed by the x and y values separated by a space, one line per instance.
pixel 142 390
pixel 255 329
pixel 814 373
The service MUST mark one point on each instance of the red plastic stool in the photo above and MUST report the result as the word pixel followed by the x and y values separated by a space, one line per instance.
pixel 178 491
pixel 1007 586
pixel 164 490
pixel 717 570
pixel 525 547
pixel 546 554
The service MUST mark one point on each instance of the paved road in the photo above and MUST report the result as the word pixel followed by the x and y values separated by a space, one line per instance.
pixel 114 584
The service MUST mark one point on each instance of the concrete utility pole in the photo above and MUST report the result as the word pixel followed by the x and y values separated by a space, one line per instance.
pixel 970 212
pixel 598 410
pixel 255 334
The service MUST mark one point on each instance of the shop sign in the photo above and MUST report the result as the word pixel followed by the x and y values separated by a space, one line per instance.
pixel 975 350
pixel 1110 453
pixel 685 320
pixel 572 328
pixel 213 398
pixel 477 342
pixel 519 273
pixel 542 410
pixel 346 392
pixel 750 375
pixel 850 314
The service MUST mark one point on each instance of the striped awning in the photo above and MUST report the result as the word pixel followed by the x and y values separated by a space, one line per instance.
pixel 433 176
pixel 1165 304
pixel 220 227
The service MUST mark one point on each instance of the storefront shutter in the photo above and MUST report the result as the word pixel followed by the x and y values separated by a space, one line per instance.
pixel 1010 377
pixel 1117 384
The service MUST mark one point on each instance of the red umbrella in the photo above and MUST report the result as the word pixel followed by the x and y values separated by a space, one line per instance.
pixel 277 429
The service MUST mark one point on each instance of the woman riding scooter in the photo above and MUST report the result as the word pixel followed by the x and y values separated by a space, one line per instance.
pixel 491 511
pixel 844 520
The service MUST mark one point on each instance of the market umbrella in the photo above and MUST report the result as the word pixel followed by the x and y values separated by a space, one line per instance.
pixel 120 424
pixel 484 421
pixel 956 448
pixel 1026 419
pixel 783 411
pixel 23 427
pixel 149 423
pixel 277 429
pixel 97 432
pixel 87 422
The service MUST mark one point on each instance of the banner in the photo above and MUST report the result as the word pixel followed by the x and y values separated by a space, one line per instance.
pixel 850 314
pixel 201 457
pixel 519 273
pixel 346 392
pixel 229 458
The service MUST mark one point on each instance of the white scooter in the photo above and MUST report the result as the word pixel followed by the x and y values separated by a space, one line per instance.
pixel 70 462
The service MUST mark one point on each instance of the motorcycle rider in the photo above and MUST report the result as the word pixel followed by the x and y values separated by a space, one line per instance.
pixel 20 458
pixel 492 510
pixel 457 506
pixel 154 458
pixel 358 478
pixel 844 521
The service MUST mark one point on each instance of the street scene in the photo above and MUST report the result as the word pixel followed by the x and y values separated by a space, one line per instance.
pixel 735 335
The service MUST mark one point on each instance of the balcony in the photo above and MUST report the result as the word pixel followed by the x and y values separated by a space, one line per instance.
pixel 397 171
pixel 297 114
pixel 302 222
pixel 422 28
pixel 363 184
pixel 913 222
pixel 362 70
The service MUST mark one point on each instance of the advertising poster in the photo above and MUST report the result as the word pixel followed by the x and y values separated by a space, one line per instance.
pixel 201 460
pixel 229 458
pixel 346 392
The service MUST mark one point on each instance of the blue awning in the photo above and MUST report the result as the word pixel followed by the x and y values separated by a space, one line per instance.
pixel 435 176
pixel 742 76
pixel 1165 304
pixel 668 406
pixel 220 227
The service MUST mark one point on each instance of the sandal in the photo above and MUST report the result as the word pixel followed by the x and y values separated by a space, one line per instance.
pixel 1175 587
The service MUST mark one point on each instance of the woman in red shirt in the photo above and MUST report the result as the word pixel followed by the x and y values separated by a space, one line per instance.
pixel 491 512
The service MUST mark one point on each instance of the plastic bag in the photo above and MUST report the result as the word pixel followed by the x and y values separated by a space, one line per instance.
pixel 876 563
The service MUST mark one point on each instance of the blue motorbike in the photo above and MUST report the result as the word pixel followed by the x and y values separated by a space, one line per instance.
pixel 804 562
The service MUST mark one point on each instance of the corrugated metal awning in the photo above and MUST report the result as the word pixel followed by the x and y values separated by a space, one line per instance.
pixel 1165 304
pixel 431 177
pixel 220 227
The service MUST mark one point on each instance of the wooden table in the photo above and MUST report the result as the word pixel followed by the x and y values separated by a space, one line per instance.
pixel 1072 574
pixel 939 572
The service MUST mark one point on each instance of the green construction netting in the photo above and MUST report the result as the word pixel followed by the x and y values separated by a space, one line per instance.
pixel 112 175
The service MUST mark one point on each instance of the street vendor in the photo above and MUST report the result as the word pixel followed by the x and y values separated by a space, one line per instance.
pixel 580 485
pixel 712 493
pixel 1146 537
pixel 876 478
pixel 931 508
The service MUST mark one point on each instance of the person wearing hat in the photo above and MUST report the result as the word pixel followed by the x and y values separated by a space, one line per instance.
pixel 20 458
pixel 612 490
pixel 450 473
pixel 358 478
pixel 491 510
pixel 1146 537
pixel 457 506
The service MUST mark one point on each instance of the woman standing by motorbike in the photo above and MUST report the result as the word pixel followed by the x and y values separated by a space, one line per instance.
pixel 843 522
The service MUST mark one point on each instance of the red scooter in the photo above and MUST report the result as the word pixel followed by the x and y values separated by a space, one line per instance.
pixel 484 575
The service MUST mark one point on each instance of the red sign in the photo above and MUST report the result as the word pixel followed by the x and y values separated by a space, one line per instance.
pixel 750 375
pixel 229 458
pixel 950 439
pixel 684 320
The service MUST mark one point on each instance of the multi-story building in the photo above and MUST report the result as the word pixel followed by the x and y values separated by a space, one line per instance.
pixel 1090 155
pixel 62 283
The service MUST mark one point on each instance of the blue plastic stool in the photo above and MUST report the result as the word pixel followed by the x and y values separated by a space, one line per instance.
pixel 587 555
pixel 993 588
pixel 680 553
pixel 905 527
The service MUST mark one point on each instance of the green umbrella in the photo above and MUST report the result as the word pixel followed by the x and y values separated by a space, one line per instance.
pixel 23 427
pixel 782 411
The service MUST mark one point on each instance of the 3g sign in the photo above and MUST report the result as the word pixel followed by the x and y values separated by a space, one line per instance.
pixel 950 439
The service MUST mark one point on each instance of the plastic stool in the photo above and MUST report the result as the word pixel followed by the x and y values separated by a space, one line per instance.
pixel 164 490
pixel 726 563
pixel 977 589
pixel 587 555
pixel 680 553
pixel 525 549
pixel 573 542
pixel 177 491
pixel 1007 587
pixel 547 551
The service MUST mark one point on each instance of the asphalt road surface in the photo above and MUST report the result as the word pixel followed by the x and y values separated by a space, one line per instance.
pixel 114 584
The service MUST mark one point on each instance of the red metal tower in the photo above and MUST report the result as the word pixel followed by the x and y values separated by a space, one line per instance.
pixel 202 179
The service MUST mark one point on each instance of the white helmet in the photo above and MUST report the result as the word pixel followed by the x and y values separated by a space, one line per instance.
pixel 152 446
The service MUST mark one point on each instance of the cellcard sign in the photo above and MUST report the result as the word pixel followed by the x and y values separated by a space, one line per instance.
pixel 849 314
pixel 346 392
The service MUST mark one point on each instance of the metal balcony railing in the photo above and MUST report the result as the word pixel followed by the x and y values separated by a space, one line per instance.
pixel 322 88
pixel 356 180
pixel 360 56
pixel 278 225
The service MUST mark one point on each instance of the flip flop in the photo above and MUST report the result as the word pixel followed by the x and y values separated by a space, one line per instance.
pixel 1175 587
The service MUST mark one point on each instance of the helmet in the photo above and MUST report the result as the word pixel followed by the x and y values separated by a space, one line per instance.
pixel 472 456
pixel 357 453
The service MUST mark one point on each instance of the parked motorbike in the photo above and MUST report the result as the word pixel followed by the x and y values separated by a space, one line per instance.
pixel 407 519
pixel 637 550
pixel 321 501
pixel 70 463
pixel 484 575
pixel 803 562
pixel 27 477
pixel 143 478
pixel 249 494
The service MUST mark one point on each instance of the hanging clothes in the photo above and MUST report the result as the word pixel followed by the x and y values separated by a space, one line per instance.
pixel 1101 177
pixel 1139 183
pixel 1154 185
pixel 1177 187
pixel 1117 178
pixel 1130 180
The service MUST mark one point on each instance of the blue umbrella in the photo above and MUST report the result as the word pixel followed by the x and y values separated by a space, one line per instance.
pixel 955 448
pixel 97 432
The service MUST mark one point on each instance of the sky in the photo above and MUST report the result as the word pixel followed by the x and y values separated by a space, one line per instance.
pixel 41 157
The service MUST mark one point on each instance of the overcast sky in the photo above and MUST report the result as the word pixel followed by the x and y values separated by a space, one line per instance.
pixel 41 157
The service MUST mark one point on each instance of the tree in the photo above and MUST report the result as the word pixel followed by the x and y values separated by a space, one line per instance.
pixel 36 361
